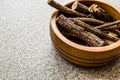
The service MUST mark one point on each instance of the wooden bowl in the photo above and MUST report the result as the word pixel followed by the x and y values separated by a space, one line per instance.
pixel 83 55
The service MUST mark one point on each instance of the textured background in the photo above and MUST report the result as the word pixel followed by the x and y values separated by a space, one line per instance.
pixel 26 51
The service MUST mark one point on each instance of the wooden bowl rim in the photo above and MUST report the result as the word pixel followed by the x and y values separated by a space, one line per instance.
pixel 78 46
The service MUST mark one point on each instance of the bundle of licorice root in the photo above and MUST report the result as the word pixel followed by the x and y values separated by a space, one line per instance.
pixel 88 25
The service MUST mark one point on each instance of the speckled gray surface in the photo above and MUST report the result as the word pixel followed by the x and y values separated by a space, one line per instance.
pixel 26 51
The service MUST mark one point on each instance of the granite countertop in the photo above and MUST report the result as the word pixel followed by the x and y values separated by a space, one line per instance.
pixel 26 51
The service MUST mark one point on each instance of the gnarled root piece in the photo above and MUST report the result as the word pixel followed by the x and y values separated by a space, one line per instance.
pixel 100 13
pixel 65 10
pixel 77 6
pixel 86 36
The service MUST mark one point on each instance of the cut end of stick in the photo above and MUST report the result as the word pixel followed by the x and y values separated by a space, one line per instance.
pixel 49 1
pixel 59 17
pixel 93 8
pixel 75 4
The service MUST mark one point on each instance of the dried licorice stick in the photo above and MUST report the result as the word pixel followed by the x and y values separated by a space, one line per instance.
pixel 77 6
pixel 65 9
pixel 94 30
pixel 100 13
pixel 108 24
pixel 88 37
pixel 89 20
pixel 116 31
pixel 111 27
pixel 72 36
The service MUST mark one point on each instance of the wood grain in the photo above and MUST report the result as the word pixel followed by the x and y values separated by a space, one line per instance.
pixel 83 55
